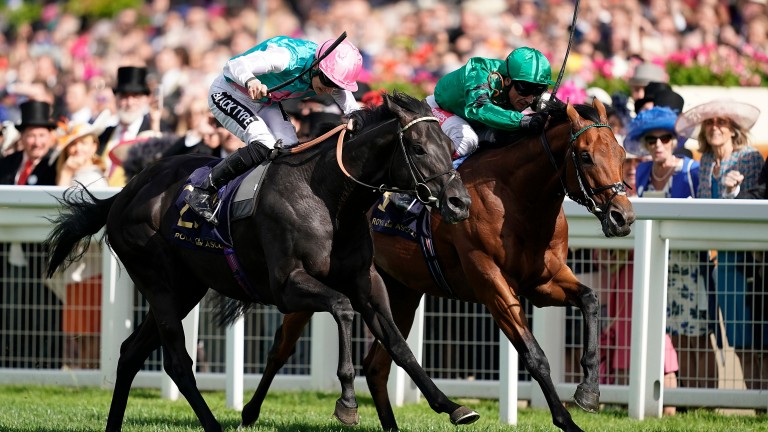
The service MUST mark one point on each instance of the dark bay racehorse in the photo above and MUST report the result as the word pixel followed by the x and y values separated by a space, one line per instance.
pixel 307 245
pixel 513 245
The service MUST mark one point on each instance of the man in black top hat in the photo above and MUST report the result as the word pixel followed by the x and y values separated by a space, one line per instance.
pixel 29 311
pixel 32 165
pixel 132 96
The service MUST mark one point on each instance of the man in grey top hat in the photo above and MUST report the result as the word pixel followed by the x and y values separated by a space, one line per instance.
pixel 645 73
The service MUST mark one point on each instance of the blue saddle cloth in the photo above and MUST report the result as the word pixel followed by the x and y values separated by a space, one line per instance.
pixel 389 219
pixel 412 224
pixel 194 232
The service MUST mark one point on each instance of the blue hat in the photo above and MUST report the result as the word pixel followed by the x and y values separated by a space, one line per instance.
pixel 652 119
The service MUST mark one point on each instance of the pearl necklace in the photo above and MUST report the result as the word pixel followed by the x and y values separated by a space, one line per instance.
pixel 662 177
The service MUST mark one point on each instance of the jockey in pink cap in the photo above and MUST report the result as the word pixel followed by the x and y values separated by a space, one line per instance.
pixel 240 102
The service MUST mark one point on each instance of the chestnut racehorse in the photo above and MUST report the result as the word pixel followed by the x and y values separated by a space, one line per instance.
pixel 513 245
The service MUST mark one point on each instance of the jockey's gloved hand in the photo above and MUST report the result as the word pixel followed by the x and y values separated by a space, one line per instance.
pixel 533 122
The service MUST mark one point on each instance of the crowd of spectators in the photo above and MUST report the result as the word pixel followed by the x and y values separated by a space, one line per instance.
pixel 71 62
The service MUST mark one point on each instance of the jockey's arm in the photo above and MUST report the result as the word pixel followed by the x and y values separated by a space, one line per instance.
pixel 246 67
pixel 480 108
pixel 345 100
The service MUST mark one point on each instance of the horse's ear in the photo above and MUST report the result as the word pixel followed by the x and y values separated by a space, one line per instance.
pixel 390 104
pixel 598 105
pixel 574 116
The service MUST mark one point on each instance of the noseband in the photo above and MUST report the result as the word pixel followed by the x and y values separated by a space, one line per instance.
pixel 587 191
pixel 421 190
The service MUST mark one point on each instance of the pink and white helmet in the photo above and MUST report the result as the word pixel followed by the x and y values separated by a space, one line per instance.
pixel 343 64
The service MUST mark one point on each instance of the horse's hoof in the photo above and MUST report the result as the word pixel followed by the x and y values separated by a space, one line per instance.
pixel 587 400
pixel 464 416
pixel 347 416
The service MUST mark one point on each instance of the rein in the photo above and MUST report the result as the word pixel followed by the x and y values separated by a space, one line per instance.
pixel 587 191
pixel 422 192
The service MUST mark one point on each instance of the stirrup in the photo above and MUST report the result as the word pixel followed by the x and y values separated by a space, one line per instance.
pixel 214 219
pixel 402 201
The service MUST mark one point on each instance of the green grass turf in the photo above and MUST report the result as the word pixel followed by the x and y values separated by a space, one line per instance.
pixel 64 409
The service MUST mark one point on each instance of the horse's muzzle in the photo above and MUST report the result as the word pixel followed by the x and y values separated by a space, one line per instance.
pixel 617 221
pixel 455 208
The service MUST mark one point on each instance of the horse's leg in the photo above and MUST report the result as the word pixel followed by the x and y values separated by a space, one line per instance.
pixel 282 348
pixel 375 310
pixel 566 286
pixel 587 395
pixel 302 292
pixel 176 360
pixel 133 352
pixel 499 294
pixel 377 363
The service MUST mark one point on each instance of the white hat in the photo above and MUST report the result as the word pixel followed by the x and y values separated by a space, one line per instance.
pixel 600 94
pixel 10 136
pixel 743 114
pixel 73 132
pixel 648 72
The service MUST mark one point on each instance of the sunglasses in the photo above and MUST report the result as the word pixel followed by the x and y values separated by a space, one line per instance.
pixel 652 139
pixel 719 122
pixel 528 89
pixel 325 81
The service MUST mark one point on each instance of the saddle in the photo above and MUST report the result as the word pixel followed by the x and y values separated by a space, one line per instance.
pixel 236 200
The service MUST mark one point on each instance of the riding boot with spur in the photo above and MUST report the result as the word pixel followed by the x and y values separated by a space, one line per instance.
pixel 201 198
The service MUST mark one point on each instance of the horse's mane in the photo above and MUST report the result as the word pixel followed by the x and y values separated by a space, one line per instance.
pixel 555 109
pixel 374 116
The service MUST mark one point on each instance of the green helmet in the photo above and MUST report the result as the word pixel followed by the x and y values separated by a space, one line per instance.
pixel 528 64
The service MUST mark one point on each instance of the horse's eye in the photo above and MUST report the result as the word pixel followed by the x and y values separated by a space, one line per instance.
pixel 418 150
pixel 586 158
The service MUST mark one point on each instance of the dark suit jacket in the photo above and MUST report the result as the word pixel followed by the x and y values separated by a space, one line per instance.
pixel 44 173
pixel 145 126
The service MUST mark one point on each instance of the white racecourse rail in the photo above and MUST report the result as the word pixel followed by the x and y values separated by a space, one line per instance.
pixel 702 224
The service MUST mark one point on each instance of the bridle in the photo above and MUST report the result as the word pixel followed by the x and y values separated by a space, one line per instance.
pixel 587 192
pixel 420 189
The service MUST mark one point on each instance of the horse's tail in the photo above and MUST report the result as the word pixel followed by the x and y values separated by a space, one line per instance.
pixel 82 215
pixel 227 310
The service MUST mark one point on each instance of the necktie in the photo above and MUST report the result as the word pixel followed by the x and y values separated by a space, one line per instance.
pixel 25 172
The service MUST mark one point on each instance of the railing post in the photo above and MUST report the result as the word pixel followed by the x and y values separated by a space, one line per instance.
pixel 507 381
pixel 549 331
pixel 646 369
pixel 235 362
pixel 400 386
pixel 116 314
pixel 325 352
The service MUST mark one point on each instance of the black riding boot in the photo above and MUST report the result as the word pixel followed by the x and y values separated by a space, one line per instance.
pixel 200 199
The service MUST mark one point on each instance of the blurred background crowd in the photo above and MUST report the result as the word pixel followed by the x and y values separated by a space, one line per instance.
pixel 67 53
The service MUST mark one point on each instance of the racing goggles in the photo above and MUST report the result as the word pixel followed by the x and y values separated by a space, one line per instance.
pixel 524 88
pixel 325 81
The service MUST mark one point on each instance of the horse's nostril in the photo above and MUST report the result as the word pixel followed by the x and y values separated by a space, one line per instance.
pixel 458 203
pixel 618 218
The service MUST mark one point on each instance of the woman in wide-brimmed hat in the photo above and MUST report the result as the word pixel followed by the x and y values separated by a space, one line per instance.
pixel 79 165
pixel 729 163
pixel 669 175
pixel 78 161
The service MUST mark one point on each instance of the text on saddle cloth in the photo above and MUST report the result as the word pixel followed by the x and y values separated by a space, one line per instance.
pixel 235 201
